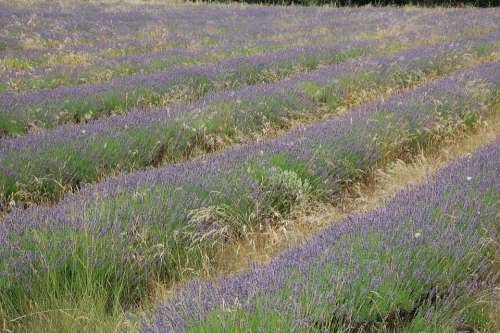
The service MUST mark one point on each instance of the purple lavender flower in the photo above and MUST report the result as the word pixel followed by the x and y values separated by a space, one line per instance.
pixel 375 257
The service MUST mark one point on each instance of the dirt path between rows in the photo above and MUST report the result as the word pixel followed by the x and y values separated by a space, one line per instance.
pixel 384 184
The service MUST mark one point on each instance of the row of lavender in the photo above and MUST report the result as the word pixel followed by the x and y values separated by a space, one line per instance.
pixel 41 166
pixel 267 27
pixel 49 107
pixel 416 264
pixel 98 28
pixel 317 32
pixel 113 238
pixel 95 23
pixel 25 76
pixel 170 31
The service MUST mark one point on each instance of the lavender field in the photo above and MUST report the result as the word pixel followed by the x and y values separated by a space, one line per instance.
pixel 139 140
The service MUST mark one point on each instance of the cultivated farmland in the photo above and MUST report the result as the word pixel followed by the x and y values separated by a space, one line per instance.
pixel 141 140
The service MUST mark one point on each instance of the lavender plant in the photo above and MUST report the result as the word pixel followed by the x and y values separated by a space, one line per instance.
pixel 116 236
pixel 49 107
pixel 95 25
pixel 415 264
pixel 200 78
pixel 36 77
pixel 85 153
pixel 173 24
pixel 322 32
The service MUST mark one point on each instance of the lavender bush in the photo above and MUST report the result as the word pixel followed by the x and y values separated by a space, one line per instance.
pixel 49 107
pixel 138 138
pixel 415 264
pixel 83 153
pixel 78 26
pixel 123 232
pixel 310 32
